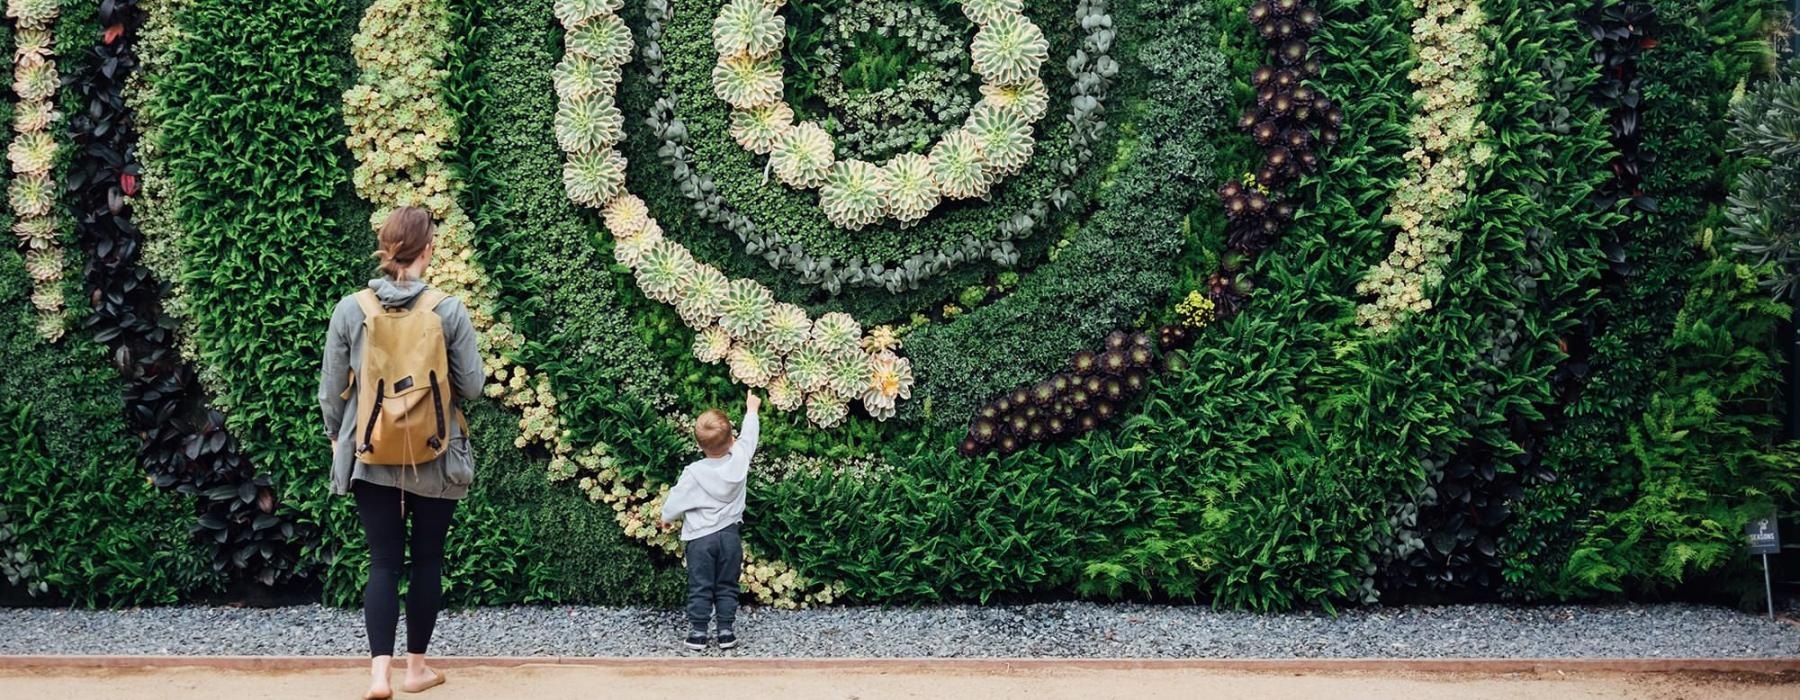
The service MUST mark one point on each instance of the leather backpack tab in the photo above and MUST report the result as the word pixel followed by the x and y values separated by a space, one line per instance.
pixel 403 391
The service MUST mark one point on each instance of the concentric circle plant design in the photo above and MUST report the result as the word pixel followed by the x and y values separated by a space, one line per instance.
pixel 913 189
pixel 399 130
pixel 994 142
pixel 738 320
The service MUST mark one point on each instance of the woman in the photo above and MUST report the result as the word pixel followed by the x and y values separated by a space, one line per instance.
pixel 386 495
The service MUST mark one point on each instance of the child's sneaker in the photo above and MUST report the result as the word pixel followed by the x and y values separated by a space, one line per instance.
pixel 696 641
pixel 727 639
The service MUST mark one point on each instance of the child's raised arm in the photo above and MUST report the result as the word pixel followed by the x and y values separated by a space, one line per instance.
pixel 751 431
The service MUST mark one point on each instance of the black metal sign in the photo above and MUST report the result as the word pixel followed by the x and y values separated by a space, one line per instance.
pixel 1763 536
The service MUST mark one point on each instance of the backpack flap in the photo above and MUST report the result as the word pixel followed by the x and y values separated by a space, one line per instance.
pixel 403 391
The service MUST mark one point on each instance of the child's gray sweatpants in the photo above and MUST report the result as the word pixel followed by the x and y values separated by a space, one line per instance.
pixel 714 563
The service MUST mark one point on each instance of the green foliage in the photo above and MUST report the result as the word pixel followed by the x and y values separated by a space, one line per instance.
pixel 253 135
pixel 792 218
pixel 597 346
pixel 1115 266
pixel 78 520
pixel 1765 208
pixel 1698 463
pixel 1288 460
pixel 1686 168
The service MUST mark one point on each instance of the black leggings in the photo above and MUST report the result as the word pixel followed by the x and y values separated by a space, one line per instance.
pixel 384 526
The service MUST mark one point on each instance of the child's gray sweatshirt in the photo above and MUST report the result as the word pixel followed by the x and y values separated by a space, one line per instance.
pixel 710 495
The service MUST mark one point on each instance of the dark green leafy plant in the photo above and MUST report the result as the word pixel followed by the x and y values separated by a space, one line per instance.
pixel 1765 205
pixel 1699 463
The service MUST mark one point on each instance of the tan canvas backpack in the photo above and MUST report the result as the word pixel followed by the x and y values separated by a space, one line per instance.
pixel 403 395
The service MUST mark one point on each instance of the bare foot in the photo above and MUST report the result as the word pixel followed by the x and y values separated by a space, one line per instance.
pixel 379 686
pixel 420 677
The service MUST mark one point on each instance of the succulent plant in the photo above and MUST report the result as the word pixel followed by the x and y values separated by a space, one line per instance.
pixel 33 116
pixel 968 447
pixel 36 233
pixel 788 327
pixel 752 363
pixel 759 128
pixel 850 373
pixel 626 216
pixel 593 178
pixel 1009 50
pixel 745 81
pixel 1030 98
pixel 588 124
pixel 803 156
pixel 661 270
pixel 1005 138
pixel 571 13
pixel 826 410
pixel 712 345
pixel 35 14
pixel 45 265
pixel 579 76
pixel 1084 363
pixel 854 194
pixel 881 339
pixel 783 396
pixel 32 153
pixel 1114 362
pixel 837 332
pixel 809 368
pixel 604 38
pixel 630 251
pixel 748 27
pixel 985 431
pixel 36 81
pixel 699 295
pixel 987 11
pixel 960 166
pixel 890 380
pixel 33 46
pixel 912 190
pixel 32 195
pixel 1140 356
pixel 746 307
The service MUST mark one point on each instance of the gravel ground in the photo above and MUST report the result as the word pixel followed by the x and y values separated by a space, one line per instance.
pixel 1044 630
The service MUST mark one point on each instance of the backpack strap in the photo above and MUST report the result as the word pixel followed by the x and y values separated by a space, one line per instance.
pixel 371 304
pixel 429 300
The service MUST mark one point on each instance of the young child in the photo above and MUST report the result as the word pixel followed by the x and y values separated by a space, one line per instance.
pixel 709 502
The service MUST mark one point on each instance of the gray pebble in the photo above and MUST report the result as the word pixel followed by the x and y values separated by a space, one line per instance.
pixel 1068 629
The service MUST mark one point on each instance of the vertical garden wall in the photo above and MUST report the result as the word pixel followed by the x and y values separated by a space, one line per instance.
pixel 1265 304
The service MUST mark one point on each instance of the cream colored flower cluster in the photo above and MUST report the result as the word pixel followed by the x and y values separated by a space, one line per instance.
pixel 820 365
pixel 399 130
pixel 1447 130
pixel 738 320
pixel 994 142
pixel 32 153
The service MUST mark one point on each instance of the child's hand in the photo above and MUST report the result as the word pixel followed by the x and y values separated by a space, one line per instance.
pixel 752 402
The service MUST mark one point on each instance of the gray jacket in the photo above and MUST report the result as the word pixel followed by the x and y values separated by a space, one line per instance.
pixel 450 475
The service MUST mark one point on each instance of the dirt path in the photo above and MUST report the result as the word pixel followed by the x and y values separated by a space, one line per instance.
pixel 652 681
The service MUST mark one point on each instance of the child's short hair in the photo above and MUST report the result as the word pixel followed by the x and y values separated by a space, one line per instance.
pixel 712 430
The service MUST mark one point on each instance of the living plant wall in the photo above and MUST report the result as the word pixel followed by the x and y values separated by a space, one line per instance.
pixel 1268 304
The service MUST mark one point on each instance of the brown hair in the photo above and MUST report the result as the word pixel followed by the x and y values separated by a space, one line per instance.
pixel 403 238
pixel 712 430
